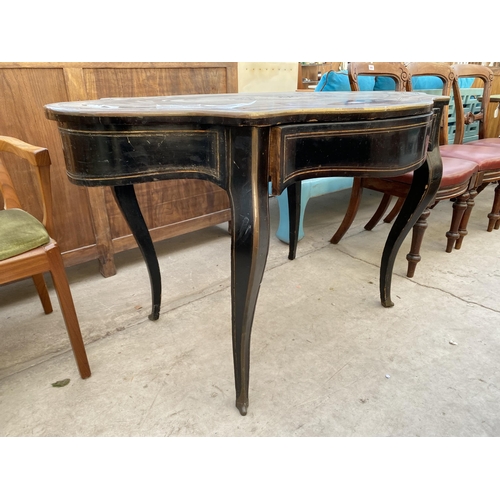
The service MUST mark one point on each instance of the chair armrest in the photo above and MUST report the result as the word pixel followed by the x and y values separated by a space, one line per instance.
pixel 38 157
pixel 35 155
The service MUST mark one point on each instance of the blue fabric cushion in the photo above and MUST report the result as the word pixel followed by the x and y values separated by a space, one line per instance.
pixel 384 83
pixel 426 82
pixel 465 83
pixel 339 81
pixel 434 82
pixel 418 83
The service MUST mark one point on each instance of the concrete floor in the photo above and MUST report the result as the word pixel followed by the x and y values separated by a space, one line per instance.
pixel 327 358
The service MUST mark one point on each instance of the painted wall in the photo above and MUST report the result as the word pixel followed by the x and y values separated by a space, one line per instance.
pixel 267 76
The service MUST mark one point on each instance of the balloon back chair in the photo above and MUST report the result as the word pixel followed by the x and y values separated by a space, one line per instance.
pixel 484 151
pixel 459 175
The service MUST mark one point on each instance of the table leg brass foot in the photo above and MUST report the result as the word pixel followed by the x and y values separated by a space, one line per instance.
pixel 387 303
pixel 242 407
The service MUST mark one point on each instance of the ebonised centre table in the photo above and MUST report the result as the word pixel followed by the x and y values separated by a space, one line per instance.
pixel 241 142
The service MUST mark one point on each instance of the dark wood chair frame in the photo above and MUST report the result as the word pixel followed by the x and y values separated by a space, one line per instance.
pixel 452 185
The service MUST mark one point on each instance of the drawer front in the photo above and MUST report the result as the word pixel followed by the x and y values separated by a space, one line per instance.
pixel 131 156
pixel 376 148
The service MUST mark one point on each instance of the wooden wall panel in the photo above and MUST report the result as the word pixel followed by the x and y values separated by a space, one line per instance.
pixel 89 224
pixel 130 82
pixel 169 200
pixel 23 93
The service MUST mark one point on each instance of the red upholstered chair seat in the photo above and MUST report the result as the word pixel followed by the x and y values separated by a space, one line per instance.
pixel 459 174
pixel 455 171
pixel 491 141
pixel 487 157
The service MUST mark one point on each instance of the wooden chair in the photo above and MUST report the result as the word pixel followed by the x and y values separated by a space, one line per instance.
pixel 26 248
pixel 459 175
pixel 484 151
pixel 398 72
pixel 295 198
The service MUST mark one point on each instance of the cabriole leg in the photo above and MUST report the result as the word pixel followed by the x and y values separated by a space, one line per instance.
pixel 248 192
pixel 426 180
pixel 127 201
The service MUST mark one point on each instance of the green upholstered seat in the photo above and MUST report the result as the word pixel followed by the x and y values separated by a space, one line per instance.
pixel 20 232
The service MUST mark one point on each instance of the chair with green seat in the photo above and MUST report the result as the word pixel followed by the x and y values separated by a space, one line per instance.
pixel 26 247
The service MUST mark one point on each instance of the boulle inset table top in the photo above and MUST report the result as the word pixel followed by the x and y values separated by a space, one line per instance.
pixel 251 106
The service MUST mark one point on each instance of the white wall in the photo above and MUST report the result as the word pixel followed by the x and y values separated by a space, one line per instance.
pixel 267 76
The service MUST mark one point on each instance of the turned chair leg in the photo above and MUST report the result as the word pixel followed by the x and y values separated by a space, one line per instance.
pixel 419 228
pixel 352 210
pixel 459 208
pixel 494 216
pixel 384 203
pixel 395 210
pixel 43 293
pixel 462 228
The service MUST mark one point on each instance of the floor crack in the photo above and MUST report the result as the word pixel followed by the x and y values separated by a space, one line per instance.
pixel 452 294
pixel 425 286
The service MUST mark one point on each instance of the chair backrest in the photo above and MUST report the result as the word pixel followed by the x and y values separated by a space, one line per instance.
pixel 485 75
pixel 37 157
pixel 397 71
pixel 447 76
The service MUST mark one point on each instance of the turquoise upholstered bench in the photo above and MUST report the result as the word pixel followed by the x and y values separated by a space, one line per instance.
pixel 338 81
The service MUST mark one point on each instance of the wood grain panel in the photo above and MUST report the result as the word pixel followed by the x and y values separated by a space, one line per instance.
pixel 23 93
pixel 173 200
pixel 133 82
pixel 89 224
